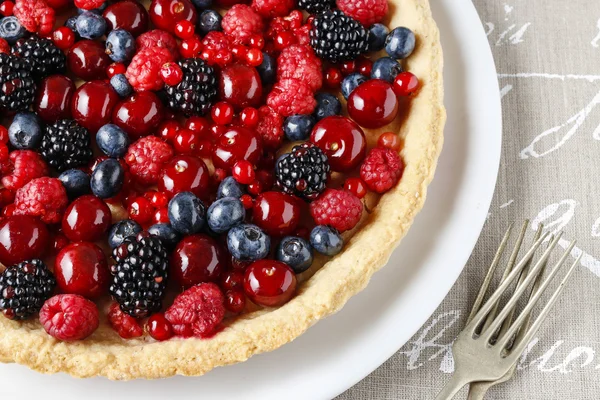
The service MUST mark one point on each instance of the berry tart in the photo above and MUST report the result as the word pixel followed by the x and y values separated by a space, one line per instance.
pixel 187 183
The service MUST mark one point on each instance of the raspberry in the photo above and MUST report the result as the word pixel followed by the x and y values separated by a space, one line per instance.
pixel 42 197
pixel 197 311
pixel 337 208
pixel 88 4
pixel 303 35
pixel 125 325
pixel 300 62
pixel 69 317
pixel 217 43
pixel 4 46
pixel 144 71
pixel 273 8
pixel 158 38
pixel 146 157
pixel 382 169
pixel 24 166
pixel 35 15
pixel 292 96
pixel 367 12
pixel 270 127
pixel 241 22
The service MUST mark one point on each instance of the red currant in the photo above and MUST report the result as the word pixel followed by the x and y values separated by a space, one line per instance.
pixel 333 77
pixel 200 125
pixel 6 8
pixel 254 57
pixel 235 301
pixel 3 134
pixel 364 66
pixel 168 129
pixel 184 29
pixel 255 188
pixel 232 280
pixel 185 141
pixel 161 216
pixel 284 39
pixel 63 38
pixel 219 175
pixel 249 117
pixel 115 69
pixel 222 113
pixel 247 201
pixel 405 84
pixel 171 73
pixel 141 210
pixel 239 51
pixel 189 48
pixel 269 283
pixel 157 199
pixel 356 186
pixel 389 140
pixel 257 42
pixel 243 172
pixel 159 327
pixel 348 67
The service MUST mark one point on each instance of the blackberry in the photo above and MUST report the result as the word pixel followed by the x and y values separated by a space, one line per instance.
pixel 42 56
pixel 24 288
pixel 195 94
pixel 66 145
pixel 316 6
pixel 17 87
pixel 140 274
pixel 303 172
pixel 336 37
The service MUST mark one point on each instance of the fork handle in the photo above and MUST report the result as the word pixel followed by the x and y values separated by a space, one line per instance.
pixel 456 382
pixel 478 390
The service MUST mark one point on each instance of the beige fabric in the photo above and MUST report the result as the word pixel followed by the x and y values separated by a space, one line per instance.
pixel 547 54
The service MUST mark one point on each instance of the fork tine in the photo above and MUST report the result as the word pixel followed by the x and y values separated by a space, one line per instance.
pixel 511 263
pixel 520 346
pixel 490 274
pixel 503 341
pixel 519 292
pixel 472 326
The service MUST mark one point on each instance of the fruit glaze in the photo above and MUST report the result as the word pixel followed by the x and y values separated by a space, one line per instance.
pixel 168 166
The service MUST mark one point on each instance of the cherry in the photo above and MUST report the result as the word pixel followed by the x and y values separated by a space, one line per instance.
pixel 235 301
pixel 88 60
pixel 356 186
pixel 197 259
pixel 186 141
pixel 139 115
pixel 184 29
pixel 243 172
pixel 406 84
pixel 22 237
pixel 53 98
pixel 269 283
pixel 93 103
pixel 276 213
pixel 236 144
pixel 128 15
pixel 342 140
pixel 184 173
pixel 159 327
pixel 140 210
pixel 86 219
pixel 166 13
pixel 333 77
pixel 81 268
pixel 249 117
pixel 222 113
pixel 63 38
pixel 389 140
pixel 240 85
pixel 373 104
pixel 171 74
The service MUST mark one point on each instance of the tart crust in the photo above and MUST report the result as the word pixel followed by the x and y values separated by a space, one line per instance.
pixel 323 294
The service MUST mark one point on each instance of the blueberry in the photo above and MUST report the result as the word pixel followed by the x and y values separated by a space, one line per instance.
pixel 229 188
pixel 351 82
pixel 377 35
pixel 166 233
pixel 327 106
pixel 298 127
pixel 90 25
pixel 209 21
pixel 386 68
pixel 121 85
pixel 186 213
pixel 121 230
pixel 224 214
pixel 266 70
pixel 326 240
pixel 25 132
pixel 97 11
pixel 248 243
pixel 107 179
pixel 11 29
pixel 76 182
pixel 400 43
pixel 202 4
pixel 295 252
pixel 120 45
pixel 112 141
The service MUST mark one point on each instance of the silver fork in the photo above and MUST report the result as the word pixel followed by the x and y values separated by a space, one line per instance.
pixel 490 353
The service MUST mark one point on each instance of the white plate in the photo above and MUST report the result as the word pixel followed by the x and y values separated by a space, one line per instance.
pixel 341 350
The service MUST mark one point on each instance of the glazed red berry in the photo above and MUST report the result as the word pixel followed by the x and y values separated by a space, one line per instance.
pixel 184 173
pixel 139 115
pixel 239 51
pixel 247 201
pixel 342 140
pixel 171 73
pixel 339 209
pixel 197 259
pixel 243 172
pixel 356 186
pixel 255 188
pixel 235 301
pixel 364 66
pixel 249 117
pixel 222 113
pixel 189 48
pixel 157 199
pixel 6 8
pixel 348 67
pixel 184 29
pixel 59 242
pixel 256 42
pixel 278 214
pixel 88 60
pixel 159 328
pixel 241 86
pixel 199 125
pixel 81 268
pixel 382 169
pixel 333 77
pixel 237 143
pixel 254 57
pixel 389 140
pixel 128 15
pixel 197 312
pixel 124 324
pixel 405 84
pixel 115 69
pixel 53 98
pixel 161 216
pixel 86 219
pixel 168 129
pixel 373 104
pixel 69 317
pixel 165 14
pixel 93 104
pixel 140 210
pixel 269 283
pixel 63 38
pixel 3 134
pixel 232 280
pixel 219 175
pixel 284 39
pixel 22 237
pixel 186 141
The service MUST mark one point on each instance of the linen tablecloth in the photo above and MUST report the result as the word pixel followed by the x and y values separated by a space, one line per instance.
pixel 547 54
